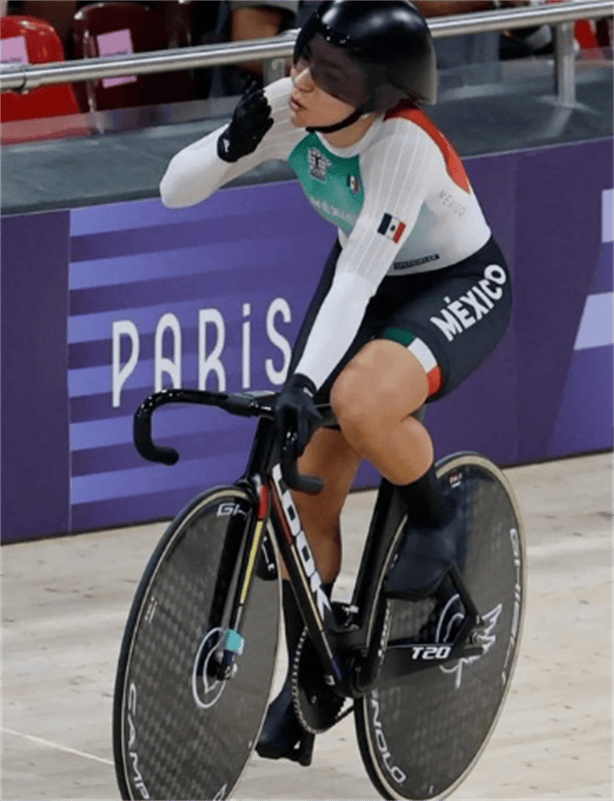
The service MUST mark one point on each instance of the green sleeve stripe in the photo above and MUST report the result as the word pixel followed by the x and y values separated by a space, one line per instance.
pixel 399 335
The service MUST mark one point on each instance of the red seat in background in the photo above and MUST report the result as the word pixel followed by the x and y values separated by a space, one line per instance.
pixel 42 44
pixel 112 28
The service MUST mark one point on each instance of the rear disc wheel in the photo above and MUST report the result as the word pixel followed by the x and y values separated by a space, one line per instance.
pixel 421 734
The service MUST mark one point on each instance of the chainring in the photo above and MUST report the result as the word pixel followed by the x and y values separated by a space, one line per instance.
pixel 317 706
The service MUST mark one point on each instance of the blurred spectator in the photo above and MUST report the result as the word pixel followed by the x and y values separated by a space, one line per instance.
pixel 477 48
pixel 3 7
pixel 538 40
pixel 239 20
pixel 176 16
pixel 223 21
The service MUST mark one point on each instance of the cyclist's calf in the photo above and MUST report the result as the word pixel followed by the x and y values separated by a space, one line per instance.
pixel 330 457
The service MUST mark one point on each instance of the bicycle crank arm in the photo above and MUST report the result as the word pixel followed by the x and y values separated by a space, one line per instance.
pixel 404 657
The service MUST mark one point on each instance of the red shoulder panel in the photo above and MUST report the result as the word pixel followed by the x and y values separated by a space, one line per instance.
pixel 454 164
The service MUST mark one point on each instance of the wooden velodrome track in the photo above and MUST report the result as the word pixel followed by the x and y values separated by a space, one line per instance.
pixel 64 604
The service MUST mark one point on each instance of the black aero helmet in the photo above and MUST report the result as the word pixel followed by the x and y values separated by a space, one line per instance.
pixel 370 54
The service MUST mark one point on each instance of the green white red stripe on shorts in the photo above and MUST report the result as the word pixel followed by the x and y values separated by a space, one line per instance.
pixel 422 352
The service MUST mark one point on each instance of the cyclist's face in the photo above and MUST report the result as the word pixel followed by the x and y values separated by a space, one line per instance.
pixel 327 85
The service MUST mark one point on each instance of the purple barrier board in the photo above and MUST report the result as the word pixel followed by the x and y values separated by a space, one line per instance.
pixel 208 297
pixel 547 390
pixel 34 410
pixel 212 297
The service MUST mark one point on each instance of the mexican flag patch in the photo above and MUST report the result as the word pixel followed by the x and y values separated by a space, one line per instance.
pixel 391 227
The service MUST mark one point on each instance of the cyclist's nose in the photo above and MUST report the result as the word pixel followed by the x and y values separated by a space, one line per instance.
pixel 302 78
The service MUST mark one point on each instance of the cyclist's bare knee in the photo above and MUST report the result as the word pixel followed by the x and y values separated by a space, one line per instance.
pixel 380 387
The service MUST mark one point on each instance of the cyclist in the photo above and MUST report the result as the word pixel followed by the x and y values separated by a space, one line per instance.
pixel 414 296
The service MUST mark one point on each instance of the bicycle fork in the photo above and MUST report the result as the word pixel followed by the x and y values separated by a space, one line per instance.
pixel 274 501
pixel 234 643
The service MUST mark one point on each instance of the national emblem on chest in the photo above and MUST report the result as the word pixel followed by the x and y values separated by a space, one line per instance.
pixel 333 184
pixel 318 163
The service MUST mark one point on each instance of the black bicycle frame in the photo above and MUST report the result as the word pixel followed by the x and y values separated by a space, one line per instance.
pixel 352 658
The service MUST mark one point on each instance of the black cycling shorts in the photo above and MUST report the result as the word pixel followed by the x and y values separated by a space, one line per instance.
pixel 451 319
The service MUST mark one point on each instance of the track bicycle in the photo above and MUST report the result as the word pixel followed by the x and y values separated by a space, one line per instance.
pixel 425 680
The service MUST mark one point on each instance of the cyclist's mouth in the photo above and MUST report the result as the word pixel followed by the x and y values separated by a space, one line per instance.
pixel 295 105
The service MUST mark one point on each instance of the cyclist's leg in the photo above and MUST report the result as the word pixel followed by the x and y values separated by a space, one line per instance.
pixel 330 457
pixel 419 356
pixel 374 399
pixel 282 734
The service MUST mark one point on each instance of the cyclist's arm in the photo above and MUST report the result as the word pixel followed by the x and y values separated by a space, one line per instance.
pixel 398 181
pixel 197 171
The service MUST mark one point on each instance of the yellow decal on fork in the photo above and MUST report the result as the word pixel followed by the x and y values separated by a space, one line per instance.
pixel 252 559
pixel 263 511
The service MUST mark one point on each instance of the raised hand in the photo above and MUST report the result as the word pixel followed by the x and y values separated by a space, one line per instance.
pixel 250 122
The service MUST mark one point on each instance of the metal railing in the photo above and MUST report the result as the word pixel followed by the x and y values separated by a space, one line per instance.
pixel 274 50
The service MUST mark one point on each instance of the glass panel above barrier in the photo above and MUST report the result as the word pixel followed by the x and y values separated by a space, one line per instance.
pixel 533 75
pixel 66 127
pixel 516 80
pixel 115 121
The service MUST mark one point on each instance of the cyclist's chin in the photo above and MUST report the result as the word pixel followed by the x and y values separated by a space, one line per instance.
pixel 295 119
pixel 304 118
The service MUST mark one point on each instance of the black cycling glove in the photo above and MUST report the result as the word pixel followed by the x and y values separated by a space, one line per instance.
pixel 250 121
pixel 295 410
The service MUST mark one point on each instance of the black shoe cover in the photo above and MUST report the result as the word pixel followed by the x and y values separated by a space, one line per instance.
pixel 282 736
pixel 425 556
